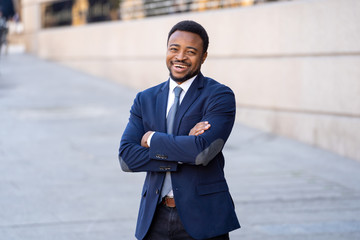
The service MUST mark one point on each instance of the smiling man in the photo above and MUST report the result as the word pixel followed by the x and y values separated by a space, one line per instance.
pixel 176 133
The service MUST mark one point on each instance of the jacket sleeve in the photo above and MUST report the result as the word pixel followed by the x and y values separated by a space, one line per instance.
pixel 132 156
pixel 199 150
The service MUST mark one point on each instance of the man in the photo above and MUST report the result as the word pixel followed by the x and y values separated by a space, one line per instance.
pixel 176 133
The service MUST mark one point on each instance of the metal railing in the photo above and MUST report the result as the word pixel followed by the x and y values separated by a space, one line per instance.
pixel 133 9
pixel 79 12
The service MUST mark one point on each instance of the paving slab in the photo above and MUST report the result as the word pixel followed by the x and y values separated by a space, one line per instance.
pixel 60 178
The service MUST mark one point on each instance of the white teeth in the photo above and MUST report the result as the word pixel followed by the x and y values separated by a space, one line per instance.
pixel 179 66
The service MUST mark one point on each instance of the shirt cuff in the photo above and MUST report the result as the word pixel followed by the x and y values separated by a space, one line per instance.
pixel 149 139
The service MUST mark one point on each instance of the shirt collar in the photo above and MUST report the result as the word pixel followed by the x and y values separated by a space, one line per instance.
pixel 185 85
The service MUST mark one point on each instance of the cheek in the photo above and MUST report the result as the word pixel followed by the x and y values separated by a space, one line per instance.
pixel 168 61
pixel 169 57
pixel 197 63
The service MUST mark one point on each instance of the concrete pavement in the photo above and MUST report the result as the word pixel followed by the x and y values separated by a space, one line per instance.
pixel 60 179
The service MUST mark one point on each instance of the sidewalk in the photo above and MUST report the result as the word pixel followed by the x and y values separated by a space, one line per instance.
pixel 60 178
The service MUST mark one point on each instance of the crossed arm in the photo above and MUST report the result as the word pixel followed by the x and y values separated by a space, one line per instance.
pixel 157 165
pixel 202 143
pixel 197 130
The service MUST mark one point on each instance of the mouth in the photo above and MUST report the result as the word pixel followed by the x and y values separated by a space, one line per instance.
pixel 180 67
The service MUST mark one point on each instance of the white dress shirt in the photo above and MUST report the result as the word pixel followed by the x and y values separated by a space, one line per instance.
pixel 171 97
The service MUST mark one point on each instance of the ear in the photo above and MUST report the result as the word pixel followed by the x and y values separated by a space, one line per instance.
pixel 204 56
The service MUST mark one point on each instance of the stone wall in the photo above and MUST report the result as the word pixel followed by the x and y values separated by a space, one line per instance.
pixel 294 66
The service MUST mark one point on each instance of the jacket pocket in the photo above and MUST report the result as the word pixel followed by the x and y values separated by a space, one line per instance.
pixel 212 188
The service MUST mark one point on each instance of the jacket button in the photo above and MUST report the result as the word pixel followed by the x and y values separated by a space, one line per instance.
pixel 157 191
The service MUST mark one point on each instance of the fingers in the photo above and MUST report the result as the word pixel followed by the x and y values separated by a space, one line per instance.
pixel 199 128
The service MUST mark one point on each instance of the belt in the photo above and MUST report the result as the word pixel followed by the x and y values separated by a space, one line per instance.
pixel 168 202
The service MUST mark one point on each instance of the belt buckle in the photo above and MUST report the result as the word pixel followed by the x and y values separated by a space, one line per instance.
pixel 169 202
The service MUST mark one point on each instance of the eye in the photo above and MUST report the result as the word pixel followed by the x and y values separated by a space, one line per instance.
pixel 191 52
pixel 173 49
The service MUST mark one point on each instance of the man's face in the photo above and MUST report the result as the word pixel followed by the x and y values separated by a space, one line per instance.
pixel 184 55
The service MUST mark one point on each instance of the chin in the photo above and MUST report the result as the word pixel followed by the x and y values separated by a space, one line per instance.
pixel 183 78
pixel 179 79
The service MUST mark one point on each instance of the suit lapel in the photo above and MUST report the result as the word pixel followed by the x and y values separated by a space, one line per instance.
pixel 191 95
pixel 161 104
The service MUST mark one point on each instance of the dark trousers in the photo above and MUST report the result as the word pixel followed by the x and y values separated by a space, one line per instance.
pixel 166 225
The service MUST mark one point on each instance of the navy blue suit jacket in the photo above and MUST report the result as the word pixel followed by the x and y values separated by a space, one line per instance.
pixel 196 163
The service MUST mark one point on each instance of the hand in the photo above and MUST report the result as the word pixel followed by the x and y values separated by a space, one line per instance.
pixel 145 138
pixel 199 128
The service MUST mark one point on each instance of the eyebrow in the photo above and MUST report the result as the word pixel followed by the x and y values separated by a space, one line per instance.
pixel 177 45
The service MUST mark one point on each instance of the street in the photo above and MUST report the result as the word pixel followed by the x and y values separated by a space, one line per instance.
pixel 60 178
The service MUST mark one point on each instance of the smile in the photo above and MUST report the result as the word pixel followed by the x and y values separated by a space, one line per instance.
pixel 180 67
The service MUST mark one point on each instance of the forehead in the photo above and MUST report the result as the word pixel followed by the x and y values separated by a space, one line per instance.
pixel 187 38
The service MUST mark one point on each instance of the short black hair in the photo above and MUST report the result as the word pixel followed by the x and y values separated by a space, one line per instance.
pixel 193 27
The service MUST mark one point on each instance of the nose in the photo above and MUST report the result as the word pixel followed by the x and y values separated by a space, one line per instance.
pixel 181 56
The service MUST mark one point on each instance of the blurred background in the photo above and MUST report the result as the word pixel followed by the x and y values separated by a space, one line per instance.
pixel 294 65
pixel 69 71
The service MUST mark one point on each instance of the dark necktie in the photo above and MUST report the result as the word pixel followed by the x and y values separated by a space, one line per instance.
pixel 170 128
